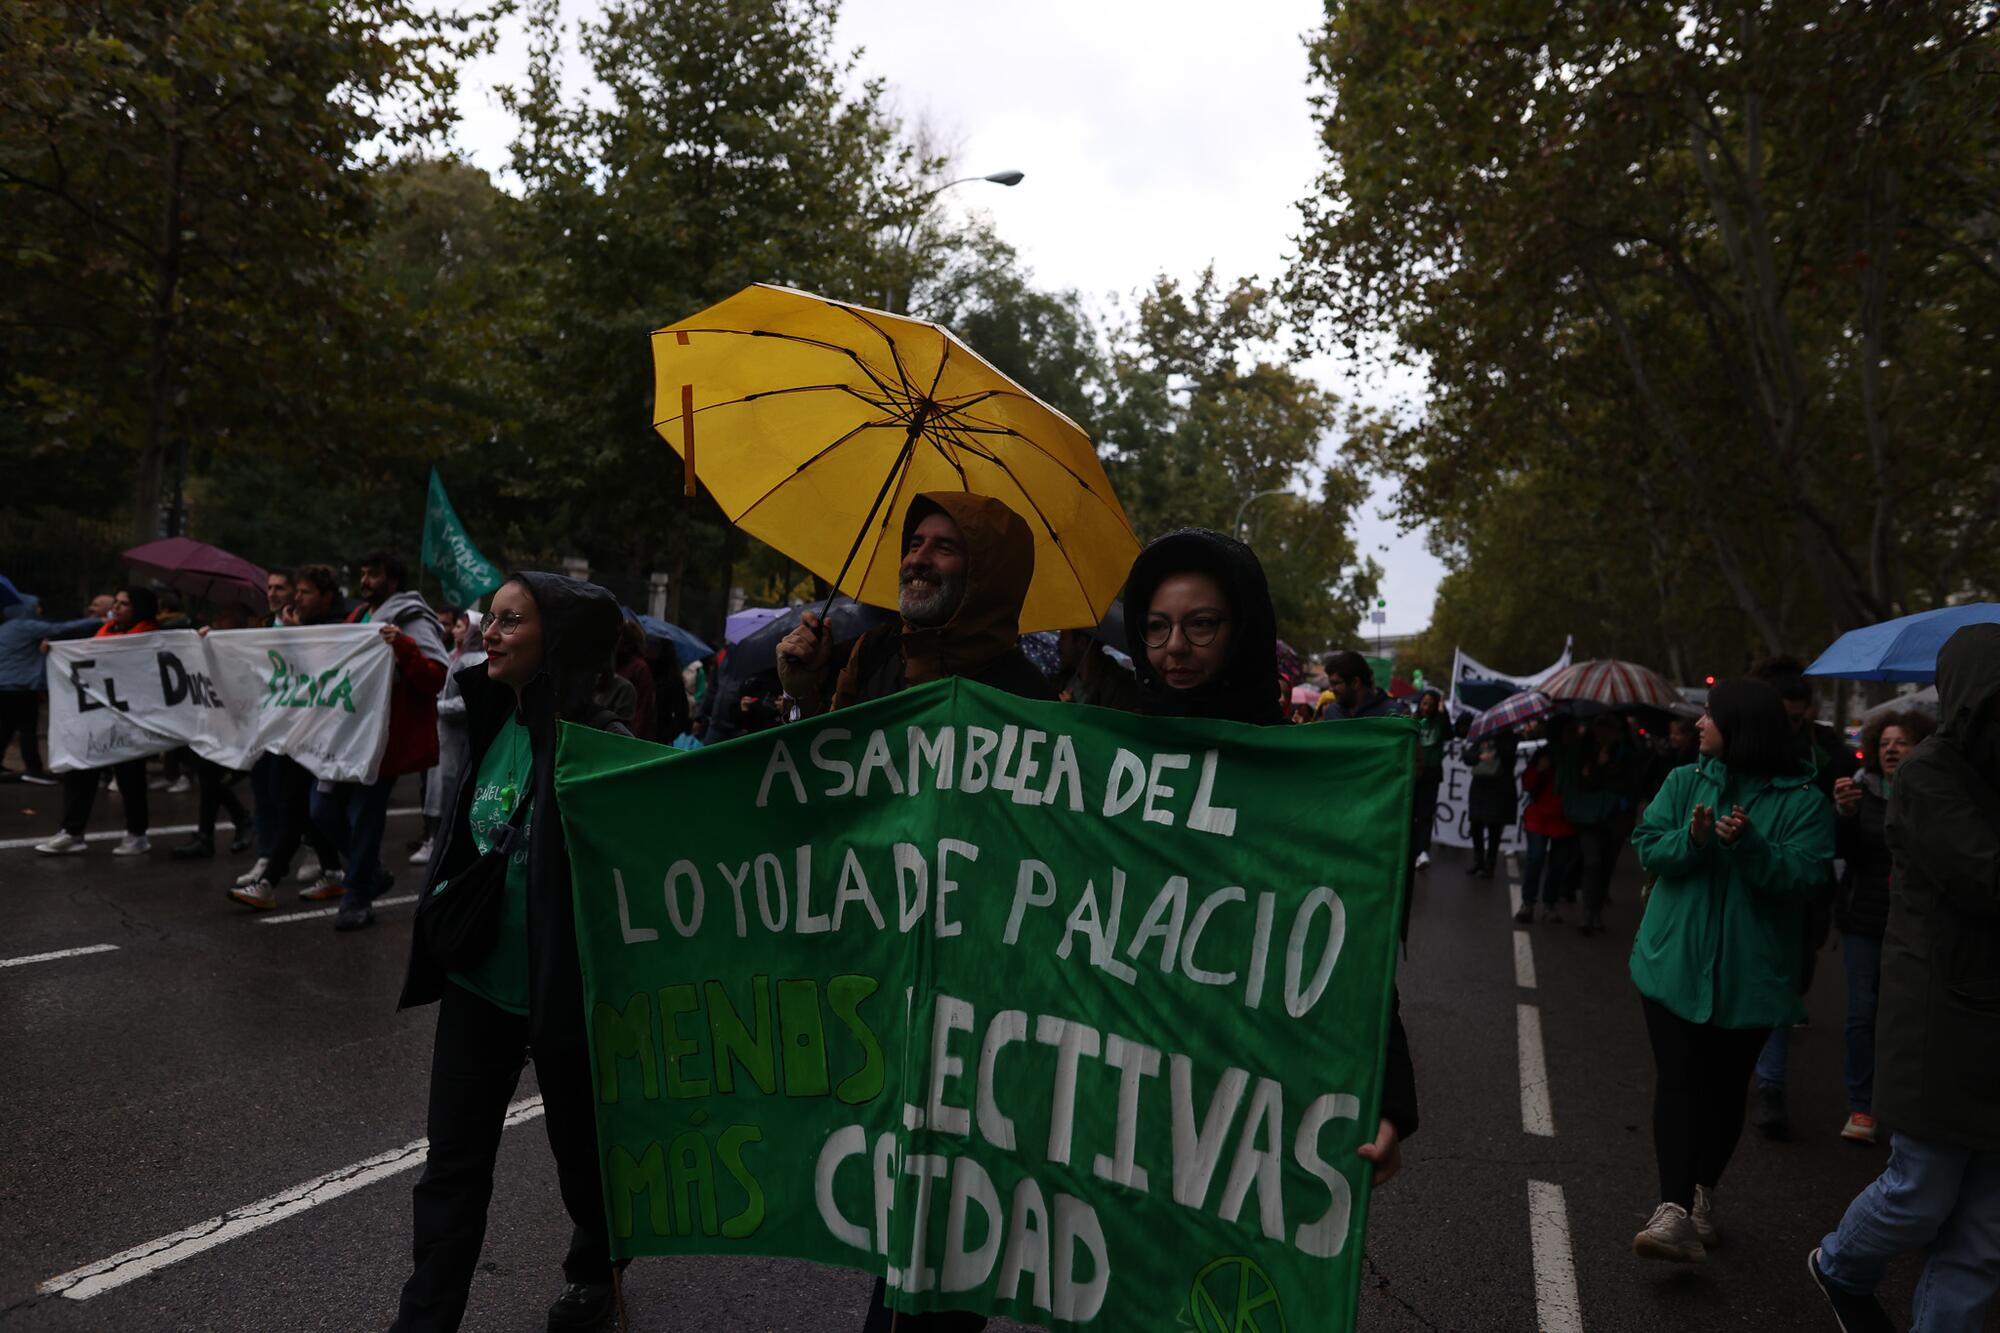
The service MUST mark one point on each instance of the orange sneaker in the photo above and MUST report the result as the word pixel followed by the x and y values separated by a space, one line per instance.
pixel 1860 1128
pixel 328 885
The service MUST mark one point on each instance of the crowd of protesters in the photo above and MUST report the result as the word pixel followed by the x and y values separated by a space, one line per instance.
pixel 1756 833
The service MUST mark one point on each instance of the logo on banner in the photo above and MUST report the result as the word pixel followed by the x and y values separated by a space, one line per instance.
pixel 291 687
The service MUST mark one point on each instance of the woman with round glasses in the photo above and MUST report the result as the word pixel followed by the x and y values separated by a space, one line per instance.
pixel 549 646
pixel 1203 639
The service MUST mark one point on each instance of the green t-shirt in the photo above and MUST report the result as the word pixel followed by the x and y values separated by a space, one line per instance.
pixel 503 780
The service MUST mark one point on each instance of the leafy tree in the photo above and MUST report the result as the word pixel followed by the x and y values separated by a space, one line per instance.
pixel 1200 417
pixel 181 184
pixel 721 147
pixel 1713 286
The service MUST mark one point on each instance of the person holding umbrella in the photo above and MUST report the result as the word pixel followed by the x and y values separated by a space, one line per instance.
pixel 1737 842
pixel 1939 1025
pixel 967 563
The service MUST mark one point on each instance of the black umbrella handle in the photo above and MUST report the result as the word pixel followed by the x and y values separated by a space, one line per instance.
pixel 896 471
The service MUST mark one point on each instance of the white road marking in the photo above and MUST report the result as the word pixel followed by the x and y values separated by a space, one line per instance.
pixel 318 913
pixel 1558 1308
pixel 1536 1115
pixel 59 953
pixel 1514 864
pixel 1514 894
pixel 18 844
pixel 80 1284
pixel 1524 961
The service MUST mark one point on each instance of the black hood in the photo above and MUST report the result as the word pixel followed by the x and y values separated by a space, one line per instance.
pixel 1247 688
pixel 579 635
pixel 1968 682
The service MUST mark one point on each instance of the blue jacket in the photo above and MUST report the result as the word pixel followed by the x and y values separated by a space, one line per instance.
pixel 22 666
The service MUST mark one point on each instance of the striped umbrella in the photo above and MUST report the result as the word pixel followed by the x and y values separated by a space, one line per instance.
pixel 1612 684
pixel 1515 711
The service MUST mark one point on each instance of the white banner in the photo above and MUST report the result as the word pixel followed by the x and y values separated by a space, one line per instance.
pixel 1464 668
pixel 318 693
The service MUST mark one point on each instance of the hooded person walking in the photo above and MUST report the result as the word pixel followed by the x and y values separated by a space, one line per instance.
pixel 1199 626
pixel 135 610
pixel 967 563
pixel 549 643
pixel 1937 1082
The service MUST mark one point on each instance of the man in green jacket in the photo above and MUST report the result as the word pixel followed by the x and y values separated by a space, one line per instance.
pixel 1937 1035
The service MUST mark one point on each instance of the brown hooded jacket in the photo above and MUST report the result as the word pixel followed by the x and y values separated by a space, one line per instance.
pixel 982 640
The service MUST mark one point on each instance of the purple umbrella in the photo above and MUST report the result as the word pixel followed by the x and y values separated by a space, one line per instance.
pixel 200 570
pixel 748 621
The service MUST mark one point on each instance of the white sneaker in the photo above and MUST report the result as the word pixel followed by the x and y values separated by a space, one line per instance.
pixel 256 871
pixel 179 786
pixel 61 845
pixel 1423 859
pixel 308 871
pixel 421 856
pixel 258 893
pixel 1669 1236
pixel 133 845
pixel 1702 1215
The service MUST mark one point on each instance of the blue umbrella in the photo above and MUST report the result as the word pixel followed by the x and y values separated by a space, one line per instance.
pixel 1902 649
pixel 687 648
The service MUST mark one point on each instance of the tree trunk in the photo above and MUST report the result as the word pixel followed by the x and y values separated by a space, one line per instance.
pixel 159 355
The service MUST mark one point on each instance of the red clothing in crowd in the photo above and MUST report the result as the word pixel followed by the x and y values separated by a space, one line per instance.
pixel 1545 813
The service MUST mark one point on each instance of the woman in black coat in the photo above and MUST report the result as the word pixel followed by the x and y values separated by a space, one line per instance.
pixel 1192 662
pixel 549 643
pixel 1861 905
pixel 1492 803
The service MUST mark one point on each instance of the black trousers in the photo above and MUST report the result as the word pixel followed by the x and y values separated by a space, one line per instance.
pixel 1486 840
pixel 1703 1076
pixel 20 714
pixel 284 796
pixel 476 1064
pixel 1597 847
pixel 216 794
pixel 79 789
pixel 1423 813
pixel 881 1318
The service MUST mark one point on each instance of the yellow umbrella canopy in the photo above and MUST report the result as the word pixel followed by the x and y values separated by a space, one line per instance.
pixel 813 423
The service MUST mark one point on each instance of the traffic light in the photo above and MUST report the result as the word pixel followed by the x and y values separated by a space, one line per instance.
pixel 1708 681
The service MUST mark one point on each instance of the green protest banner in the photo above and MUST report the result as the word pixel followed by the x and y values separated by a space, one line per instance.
pixel 449 553
pixel 1032 1008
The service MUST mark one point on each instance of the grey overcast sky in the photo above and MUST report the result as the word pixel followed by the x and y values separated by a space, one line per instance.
pixel 1157 138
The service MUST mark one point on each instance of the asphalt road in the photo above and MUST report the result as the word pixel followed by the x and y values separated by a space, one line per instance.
pixel 214 1060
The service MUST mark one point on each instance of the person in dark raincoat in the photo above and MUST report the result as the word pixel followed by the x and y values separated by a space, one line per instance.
pixel 549 642
pixel 967 563
pixel 1937 1035
pixel 1492 801
pixel 1197 617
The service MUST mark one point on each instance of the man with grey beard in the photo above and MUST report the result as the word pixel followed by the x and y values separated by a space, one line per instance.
pixel 967 564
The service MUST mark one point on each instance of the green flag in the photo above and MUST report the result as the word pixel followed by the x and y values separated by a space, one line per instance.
pixel 1032 1008
pixel 449 553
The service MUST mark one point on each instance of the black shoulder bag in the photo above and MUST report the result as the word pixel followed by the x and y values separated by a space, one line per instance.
pixel 461 920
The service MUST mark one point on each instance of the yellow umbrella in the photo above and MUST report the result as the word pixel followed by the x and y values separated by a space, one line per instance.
pixel 813 423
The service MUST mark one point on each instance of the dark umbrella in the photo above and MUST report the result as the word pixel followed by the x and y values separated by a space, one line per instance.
pixel 200 570
pixel 757 651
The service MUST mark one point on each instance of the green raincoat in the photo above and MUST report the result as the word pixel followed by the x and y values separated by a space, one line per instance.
pixel 1720 939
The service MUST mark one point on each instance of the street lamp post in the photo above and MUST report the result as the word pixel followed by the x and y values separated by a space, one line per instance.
pixel 1009 177
pixel 1237 526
